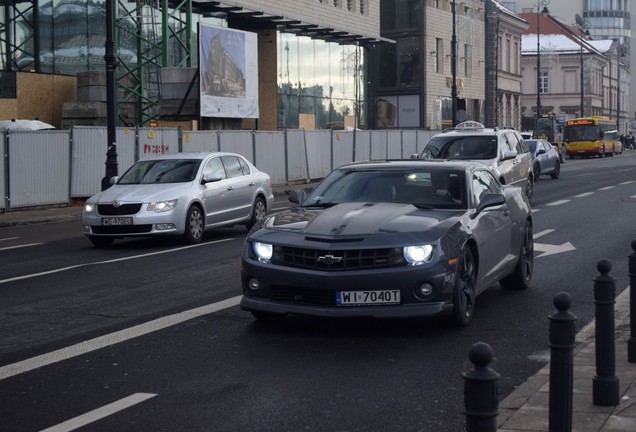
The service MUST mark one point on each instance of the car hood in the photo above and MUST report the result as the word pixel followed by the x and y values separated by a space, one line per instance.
pixel 355 219
pixel 141 193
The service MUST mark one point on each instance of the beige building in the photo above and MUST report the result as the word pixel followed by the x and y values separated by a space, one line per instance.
pixel 503 81
pixel 577 75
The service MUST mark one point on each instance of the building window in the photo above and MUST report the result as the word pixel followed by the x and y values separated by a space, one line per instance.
pixel 363 7
pixel 543 82
pixel 508 55
pixel 409 53
pixel 439 55
pixel 468 60
pixel 515 66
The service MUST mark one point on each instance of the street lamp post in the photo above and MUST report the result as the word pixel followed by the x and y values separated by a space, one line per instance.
pixel 454 70
pixel 539 12
pixel 583 26
pixel 110 60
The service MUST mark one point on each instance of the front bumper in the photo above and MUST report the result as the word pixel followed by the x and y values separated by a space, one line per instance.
pixel 288 290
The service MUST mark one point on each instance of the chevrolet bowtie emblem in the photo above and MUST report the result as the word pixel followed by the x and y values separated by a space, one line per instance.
pixel 329 259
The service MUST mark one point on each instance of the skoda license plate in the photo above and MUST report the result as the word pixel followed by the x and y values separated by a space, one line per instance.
pixel 117 221
pixel 366 298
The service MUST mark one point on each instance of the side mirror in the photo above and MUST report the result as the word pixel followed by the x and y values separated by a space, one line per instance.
pixel 114 179
pixel 510 154
pixel 540 152
pixel 415 156
pixel 210 178
pixel 489 200
pixel 297 196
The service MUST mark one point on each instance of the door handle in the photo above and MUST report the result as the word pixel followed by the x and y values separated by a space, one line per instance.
pixel 230 188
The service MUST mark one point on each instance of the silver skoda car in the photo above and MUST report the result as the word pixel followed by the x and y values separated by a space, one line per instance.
pixel 180 194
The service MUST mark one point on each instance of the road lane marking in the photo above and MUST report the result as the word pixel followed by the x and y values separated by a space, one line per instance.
pixel 627 182
pixel 59 270
pixel 20 246
pixel 584 194
pixel 556 203
pixel 549 249
pixel 113 338
pixel 100 413
pixel 542 233
pixel 606 187
pixel 9 238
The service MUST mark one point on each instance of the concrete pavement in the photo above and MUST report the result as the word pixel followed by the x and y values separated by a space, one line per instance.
pixel 526 408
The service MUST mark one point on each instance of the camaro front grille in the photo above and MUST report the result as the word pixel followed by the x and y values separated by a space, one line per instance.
pixel 124 209
pixel 357 259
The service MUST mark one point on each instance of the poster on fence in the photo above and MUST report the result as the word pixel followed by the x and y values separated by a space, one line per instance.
pixel 228 72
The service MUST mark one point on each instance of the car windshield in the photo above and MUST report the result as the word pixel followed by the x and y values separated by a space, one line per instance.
pixel 161 171
pixel 461 147
pixel 532 144
pixel 423 188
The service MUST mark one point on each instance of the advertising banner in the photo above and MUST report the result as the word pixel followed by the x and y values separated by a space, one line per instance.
pixel 228 72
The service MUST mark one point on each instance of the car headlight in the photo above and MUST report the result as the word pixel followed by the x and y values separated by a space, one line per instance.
pixel 263 251
pixel 418 254
pixel 90 207
pixel 162 206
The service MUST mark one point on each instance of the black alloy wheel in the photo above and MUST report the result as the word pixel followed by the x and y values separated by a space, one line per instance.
pixel 521 277
pixel 464 293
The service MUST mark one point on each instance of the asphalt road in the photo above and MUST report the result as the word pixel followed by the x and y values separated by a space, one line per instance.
pixel 146 335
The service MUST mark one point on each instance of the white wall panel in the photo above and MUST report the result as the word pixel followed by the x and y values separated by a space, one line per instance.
pixel 195 141
pixel 39 168
pixel 269 155
pixel 319 153
pixel 240 142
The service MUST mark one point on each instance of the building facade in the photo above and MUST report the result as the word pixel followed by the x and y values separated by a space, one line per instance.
pixel 438 43
pixel 503 66
pixel 312 57
pixel 577 75
pixel 605 19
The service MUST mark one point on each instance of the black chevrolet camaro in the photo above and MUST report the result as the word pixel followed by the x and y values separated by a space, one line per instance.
pixel 407 238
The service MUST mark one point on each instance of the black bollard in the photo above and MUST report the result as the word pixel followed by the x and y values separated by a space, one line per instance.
pixel 631 342
pixel 561 364
pixel 605 383
pixel 481 393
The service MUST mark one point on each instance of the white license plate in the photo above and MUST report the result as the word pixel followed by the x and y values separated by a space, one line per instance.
pixel 117 221
pixel 364 298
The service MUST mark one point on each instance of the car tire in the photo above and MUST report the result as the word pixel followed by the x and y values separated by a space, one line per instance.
pixel 563 154
pixel 464 291
pixel 522 275
pixel 194 225
pixel 259 210
pixel 101 242
pixel 529 188
pixel 557 171
pixel 537 171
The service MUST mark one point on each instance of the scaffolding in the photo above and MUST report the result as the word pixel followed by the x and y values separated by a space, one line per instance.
pixel 149 35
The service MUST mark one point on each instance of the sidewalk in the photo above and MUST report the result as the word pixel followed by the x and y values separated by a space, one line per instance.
pixel 526 408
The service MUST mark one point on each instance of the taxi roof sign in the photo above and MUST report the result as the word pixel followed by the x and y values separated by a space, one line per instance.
pixel 470 124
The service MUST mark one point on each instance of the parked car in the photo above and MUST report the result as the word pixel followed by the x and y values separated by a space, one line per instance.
pixel 545 158
pixel 179 194
pixel 389 239
pixel 503 150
